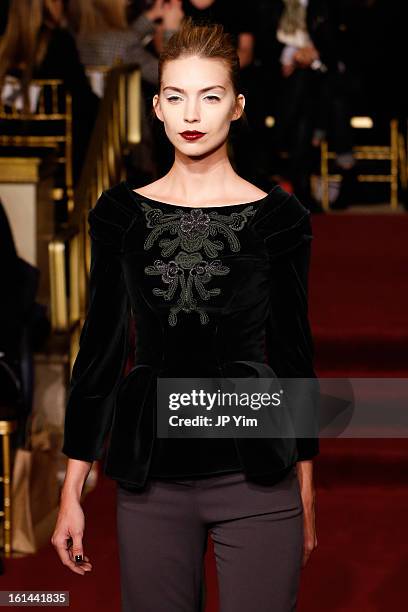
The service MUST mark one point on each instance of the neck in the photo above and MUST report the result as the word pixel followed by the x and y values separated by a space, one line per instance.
pixel 191 175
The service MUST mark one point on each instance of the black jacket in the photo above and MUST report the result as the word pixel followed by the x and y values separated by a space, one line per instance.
pixel 193 314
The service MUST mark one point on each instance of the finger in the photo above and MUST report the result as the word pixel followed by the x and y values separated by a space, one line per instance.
pixel 77 549
pixel 85 564
pixel 63 551
pixel 305 559
pixel 77 554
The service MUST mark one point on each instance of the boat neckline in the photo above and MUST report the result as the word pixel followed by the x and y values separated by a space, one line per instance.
pixel 140 195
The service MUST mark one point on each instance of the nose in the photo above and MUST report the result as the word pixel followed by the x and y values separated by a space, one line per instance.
pixel 191 111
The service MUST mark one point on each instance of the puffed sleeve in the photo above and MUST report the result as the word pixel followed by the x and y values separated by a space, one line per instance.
pixel 289 342
pixel 103 345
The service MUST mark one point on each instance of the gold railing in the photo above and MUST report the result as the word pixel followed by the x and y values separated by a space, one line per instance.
pixel 117 126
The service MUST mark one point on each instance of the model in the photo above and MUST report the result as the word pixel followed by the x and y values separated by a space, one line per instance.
pixel 214 272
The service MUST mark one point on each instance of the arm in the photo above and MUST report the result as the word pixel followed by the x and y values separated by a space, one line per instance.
pixel 103 349
pixel 290 352
pixel 101 358
pixel 162 36
pixel 289 342
pixel 146 29
pixel 147 61
pixel 69 528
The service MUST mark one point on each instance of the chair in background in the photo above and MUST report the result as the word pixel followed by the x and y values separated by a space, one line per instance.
pixel 6 429
pixel 47 125
pixel 403 158
pixel 9 402
pixel 388 153
pixel 97 77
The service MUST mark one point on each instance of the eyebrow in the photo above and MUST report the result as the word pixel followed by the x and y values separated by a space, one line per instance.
pixel 200 91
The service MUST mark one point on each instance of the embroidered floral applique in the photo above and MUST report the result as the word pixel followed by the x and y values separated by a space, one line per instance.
pixel 191 252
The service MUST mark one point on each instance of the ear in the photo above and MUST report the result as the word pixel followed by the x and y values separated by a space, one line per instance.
pixel 156 107
pixel 239 107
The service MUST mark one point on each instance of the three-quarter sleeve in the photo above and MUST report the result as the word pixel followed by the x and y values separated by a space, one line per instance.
pixel 103 350
pixel 289 342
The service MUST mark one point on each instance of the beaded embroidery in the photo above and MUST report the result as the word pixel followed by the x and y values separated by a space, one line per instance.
pixel 188 269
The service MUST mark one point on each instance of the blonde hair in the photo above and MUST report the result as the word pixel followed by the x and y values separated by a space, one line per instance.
pixel 25 41
pixel 96 16
pixel 207 40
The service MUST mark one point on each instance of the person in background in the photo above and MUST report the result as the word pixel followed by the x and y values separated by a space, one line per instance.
pixel 24 328
pixel 11 317
pixel 105 37
pixel 302 36
pixel 4 9
pixel 35 44
pixel 235 19
pixel 373 34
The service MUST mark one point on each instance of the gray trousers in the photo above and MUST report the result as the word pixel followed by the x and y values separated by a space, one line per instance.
pixel 257 531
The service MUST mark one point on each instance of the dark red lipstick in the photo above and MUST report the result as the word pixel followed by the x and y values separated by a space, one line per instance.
pixel 192 135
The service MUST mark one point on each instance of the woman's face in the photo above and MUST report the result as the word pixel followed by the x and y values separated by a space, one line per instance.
pixel 197 95
pixel 202 4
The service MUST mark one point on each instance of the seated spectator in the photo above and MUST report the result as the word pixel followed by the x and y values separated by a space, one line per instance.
pixel 304 37
pixel 36 45
pixel 104 37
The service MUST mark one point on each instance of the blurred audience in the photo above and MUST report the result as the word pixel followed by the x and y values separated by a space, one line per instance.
pixel 35 44
pixel 308 74
pixel 105 37
pixel 236 18
pixel 24 328
pixel 308 63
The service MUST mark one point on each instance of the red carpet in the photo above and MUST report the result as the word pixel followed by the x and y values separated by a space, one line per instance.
pixel 359 293
pixel 359 306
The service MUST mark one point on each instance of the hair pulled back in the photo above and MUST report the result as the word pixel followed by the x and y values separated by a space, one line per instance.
pixel 206 40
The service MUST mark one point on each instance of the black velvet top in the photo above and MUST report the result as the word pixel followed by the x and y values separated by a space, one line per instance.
pixel 214 291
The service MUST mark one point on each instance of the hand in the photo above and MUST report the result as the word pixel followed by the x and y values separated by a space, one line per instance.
pixel 172 14
pixel 155 11
pixel 68 534
pixel 309 523
pixel 306 56
pixel 287 69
